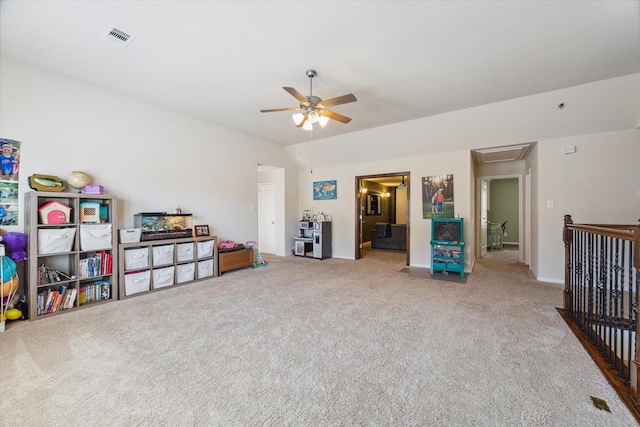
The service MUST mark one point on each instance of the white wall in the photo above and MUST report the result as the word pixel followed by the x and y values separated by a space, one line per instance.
pixel 600 183
pixel 151 158
pixel 342 210
pixel 155 159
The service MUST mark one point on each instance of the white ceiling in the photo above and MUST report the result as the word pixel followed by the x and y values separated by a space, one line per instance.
pixel 224 61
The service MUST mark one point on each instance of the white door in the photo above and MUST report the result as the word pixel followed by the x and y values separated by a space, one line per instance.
pixel 483 218
pixel 267 217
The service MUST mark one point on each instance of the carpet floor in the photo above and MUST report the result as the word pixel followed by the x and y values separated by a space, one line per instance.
pixel 304 342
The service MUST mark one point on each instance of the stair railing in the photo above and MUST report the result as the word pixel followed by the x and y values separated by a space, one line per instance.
pixel 601 292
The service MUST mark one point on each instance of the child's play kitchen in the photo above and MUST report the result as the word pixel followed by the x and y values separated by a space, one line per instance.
pixel 314 238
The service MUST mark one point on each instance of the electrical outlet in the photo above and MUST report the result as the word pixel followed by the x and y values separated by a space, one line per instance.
pixel 505 234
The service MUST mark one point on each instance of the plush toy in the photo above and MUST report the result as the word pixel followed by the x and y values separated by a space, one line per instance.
pixel 15 245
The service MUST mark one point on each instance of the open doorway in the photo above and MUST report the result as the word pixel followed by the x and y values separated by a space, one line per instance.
pixel 382 203
pixel 501 210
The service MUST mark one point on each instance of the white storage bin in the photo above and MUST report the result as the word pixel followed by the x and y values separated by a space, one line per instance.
pixel 54 240
pixel 205 249
pixel 134 283
pixel 162 255
pixel 136 258
pixel 205 268
pixel 130 235
pixel 163 277
pixel 185 272
pixel 95 236
pixel 184 252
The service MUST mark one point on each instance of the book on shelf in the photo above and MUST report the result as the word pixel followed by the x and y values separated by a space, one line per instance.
pixel 95 291
pixel 52 300
pixel 99 264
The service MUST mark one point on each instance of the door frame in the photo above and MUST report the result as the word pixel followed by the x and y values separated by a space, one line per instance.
pixel 359 213
pixel 524 245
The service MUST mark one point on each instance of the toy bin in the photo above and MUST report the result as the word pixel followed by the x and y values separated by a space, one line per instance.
pixel 130 235
pixel 184 252
pixel 205 249
pixel 134 283
pixel 136 258
pixel 185 272
pixel 163 277
pixel 95 237
pixel 205 268
pixel 162 255
pixel 54 240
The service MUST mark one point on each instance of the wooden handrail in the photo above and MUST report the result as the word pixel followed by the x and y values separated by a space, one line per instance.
pixel 624 232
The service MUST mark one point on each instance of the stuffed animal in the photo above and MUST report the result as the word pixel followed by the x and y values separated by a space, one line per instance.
pixel 15 245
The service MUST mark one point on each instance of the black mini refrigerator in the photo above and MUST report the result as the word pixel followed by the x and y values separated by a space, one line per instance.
pixel 322 239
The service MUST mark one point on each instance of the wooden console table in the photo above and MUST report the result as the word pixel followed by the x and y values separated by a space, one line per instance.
pixel 234 259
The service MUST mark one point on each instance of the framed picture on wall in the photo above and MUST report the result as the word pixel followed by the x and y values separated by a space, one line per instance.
pixel 325 190
pixel 437 197
pixel 373 204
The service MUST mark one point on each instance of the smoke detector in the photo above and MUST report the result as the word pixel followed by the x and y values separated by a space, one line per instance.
pixel 119 36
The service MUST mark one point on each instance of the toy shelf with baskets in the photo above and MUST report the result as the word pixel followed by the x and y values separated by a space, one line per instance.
pixel 153 265
pixel 71 251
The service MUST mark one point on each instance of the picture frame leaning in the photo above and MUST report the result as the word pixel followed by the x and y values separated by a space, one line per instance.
pixel 201 230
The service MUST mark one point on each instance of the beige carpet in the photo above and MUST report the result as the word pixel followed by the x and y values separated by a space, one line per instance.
pixel 304 342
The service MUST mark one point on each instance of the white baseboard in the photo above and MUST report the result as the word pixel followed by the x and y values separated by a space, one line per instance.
pixel 549 280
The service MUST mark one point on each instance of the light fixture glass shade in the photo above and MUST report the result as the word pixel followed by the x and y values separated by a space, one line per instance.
pixel 364 190
pixel 297 118
pixel 307 125
pixel 313 117
pixel 323 120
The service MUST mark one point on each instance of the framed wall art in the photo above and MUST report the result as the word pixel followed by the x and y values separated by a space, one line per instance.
pixel 9 178
pixel 325 190
pixel 437 197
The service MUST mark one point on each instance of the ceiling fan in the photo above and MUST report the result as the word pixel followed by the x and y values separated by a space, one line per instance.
pixel 313 109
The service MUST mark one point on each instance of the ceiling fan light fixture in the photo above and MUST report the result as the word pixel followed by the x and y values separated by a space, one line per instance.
pixel 313 116
pixel 298 118
pixel 323 120
pixel 313 109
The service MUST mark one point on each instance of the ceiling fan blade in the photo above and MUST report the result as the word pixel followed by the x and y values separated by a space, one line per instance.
pixel 281 109
pixel 297 95
pixel 304 120
pixel 344 99
pixel 334 116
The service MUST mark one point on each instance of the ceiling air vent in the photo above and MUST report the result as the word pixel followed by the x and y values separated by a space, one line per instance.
pixel 119 36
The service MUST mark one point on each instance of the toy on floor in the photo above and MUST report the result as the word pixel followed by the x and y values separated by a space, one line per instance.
pixel 15 245
pixel 258 259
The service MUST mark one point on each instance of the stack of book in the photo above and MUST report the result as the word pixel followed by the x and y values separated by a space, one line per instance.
pixel 99 264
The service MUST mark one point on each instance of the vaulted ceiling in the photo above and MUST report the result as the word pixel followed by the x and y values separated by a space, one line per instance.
pixel 224 61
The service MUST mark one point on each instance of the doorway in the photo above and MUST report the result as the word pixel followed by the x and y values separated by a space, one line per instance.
pixel 267 215
pixel 271 230
pixel 501 207
pixel 394 188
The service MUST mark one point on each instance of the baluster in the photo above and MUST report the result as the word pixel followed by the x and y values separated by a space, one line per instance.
pixel 635 364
